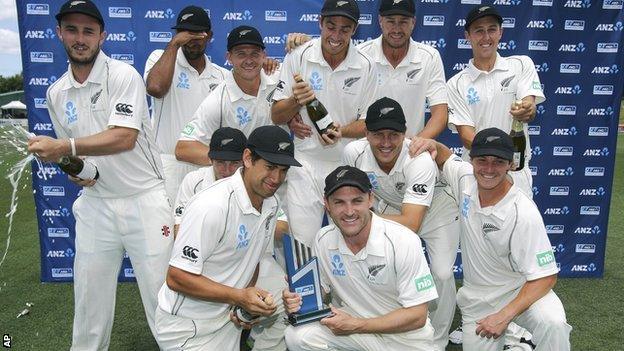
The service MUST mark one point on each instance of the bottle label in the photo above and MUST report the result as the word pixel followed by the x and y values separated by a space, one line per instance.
pixel 89 171
pixel 516 159
pixel 324 122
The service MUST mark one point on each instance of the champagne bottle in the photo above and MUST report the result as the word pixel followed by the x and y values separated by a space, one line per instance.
pixel 519 141
pixel 318 114
pixel 77 167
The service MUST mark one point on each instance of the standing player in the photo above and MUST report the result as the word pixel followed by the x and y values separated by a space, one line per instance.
pixel 98 109
pixel 407 192
pixel 344 80
pixel 375 267
pixel 509 266
pixel 242 101
pixel 179 78
pixel 481 95
pixel 224 233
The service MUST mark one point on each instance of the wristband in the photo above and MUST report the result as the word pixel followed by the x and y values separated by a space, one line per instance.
pixel 72 144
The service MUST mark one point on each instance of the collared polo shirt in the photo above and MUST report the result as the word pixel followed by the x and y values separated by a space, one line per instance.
pixel 229 106
pixel 188 89
pixel 346 92
pixel 192 183
pixel 483 99
pixel 222 237
pixel 112 96
pixel 389 273
pixel 504 245
pixel 416 81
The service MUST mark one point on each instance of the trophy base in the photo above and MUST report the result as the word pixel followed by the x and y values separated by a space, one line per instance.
pixel 303 318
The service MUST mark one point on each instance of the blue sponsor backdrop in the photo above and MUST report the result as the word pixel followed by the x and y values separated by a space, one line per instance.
pixel 575 46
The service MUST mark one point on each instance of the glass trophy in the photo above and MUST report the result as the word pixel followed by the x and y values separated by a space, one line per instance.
pixel 304 279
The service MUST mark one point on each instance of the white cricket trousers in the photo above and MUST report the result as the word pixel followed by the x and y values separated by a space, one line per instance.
pixel 142 225
pixel 545 319
pixel 174 171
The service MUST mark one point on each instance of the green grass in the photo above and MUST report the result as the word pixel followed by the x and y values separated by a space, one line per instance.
pixel 593 306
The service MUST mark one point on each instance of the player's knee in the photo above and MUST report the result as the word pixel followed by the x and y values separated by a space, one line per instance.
pixel 554 325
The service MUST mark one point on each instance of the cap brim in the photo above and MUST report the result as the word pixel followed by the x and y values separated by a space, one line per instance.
pixel 225 155
pixel 397 12
pixel 248 42
pixel 339 13
pixel 278 159
pixel 346 183
pixel 399 127
pixel 191 27
pixel 492 152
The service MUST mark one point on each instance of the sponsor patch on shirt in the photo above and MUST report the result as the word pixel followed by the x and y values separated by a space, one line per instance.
pixel 424 283
pixel 545 258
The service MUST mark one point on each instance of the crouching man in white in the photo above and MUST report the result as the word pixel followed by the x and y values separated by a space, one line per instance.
pixel 225 230
pixel 374 268
pixel 509 266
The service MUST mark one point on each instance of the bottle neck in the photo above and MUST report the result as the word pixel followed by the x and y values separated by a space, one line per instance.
pixel 517 126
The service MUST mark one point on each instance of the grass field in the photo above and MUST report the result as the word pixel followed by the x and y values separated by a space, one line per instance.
pixel 594 307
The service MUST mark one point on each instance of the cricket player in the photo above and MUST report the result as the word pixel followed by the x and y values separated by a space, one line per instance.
pixel 344 80
pixel 375 268
pixel 225 230
pixel 509 266
pixel 99 110
pixel 410 191
pixel 179 78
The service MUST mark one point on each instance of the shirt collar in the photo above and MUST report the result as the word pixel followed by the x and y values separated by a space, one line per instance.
pixel 94 76
pixel 378 56
pixel 235 91
pixel 374 246
pixel 499 210
pixel 500 64
pixel 350 61
pixel 242 197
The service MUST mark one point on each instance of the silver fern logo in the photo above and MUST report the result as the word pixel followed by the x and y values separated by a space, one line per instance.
pixel 489 228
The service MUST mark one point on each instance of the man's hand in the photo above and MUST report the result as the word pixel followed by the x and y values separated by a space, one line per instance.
pixel 341 323
pixel 419 145
pixel 183 37
pixel 296 39
pixel 82 182
pixel 270 66
pixel 331 136
pixel 524 111
pixel 303 93
pixel 292 301
pixel 48 149
pixel 257 301
pixel 492 326
pixel 299 128
pixel 240 323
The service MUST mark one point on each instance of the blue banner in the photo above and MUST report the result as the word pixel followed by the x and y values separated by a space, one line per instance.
pixel 575 45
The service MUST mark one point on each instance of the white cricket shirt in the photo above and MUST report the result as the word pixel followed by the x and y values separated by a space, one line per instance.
pixel 192 183
pixel 112 96
pixel 222 237
pixel 416 80
pixel 188 89
pixel 346 92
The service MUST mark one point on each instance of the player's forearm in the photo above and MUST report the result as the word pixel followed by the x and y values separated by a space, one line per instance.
pixel 530 292
pixel 193 152
pixel 200 287
pixel 413 222
pixel 160 76
pixel 355 129
pixel 108 142
pixel 397 321
pixel 284 110
pixel 466 134
pixel 437 122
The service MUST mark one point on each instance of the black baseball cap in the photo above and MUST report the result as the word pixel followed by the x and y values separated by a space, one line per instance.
pixel 344 8
pixel 385 113
pixel 244 35
pixel 227 144
pixel 274 145
pixel 193 18
pixel 492 142
pixel 347 176
pixel 482 11
pixel 397 7
pixel 85 7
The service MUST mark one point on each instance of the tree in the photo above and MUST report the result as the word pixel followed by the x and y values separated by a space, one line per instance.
pixel 12 83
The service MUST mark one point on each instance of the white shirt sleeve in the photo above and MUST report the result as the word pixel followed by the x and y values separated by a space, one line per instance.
pixel 459 112
pixel 529 82
pixel 369 91
pixel 350 153
pixel 186 191
pixel 415 283
pixel 206 119
pixel 286 80
pixel 420 178
pixel 198 236
pixel 325 281
pixel 436 82
pixel 531 250
pixel 128 103
pixel 453 171
pixel 151 61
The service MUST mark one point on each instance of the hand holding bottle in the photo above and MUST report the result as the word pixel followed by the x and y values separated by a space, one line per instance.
pixel 523 110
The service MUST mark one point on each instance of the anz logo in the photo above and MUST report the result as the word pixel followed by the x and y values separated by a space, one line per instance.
pixel 580 47
pixel 510 45
pixel 275 39
pixel 579 4
pixel 575 90
pixel 438 44
pixel 460 66
pixel 42 81
pixel 542 68
pixel 309 17
pixel 597 152
pixel 561 172
pixel 613 69
pixel 238 16
pixel 584 268
pixel 610 27
pixel 40 34
pixel 547 24
pixel 565 131
pixel 600 191
pixel 130 36
pixel 168 13
pixel 596 111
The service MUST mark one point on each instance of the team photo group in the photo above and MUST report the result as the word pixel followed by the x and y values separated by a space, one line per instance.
pixel 206 182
